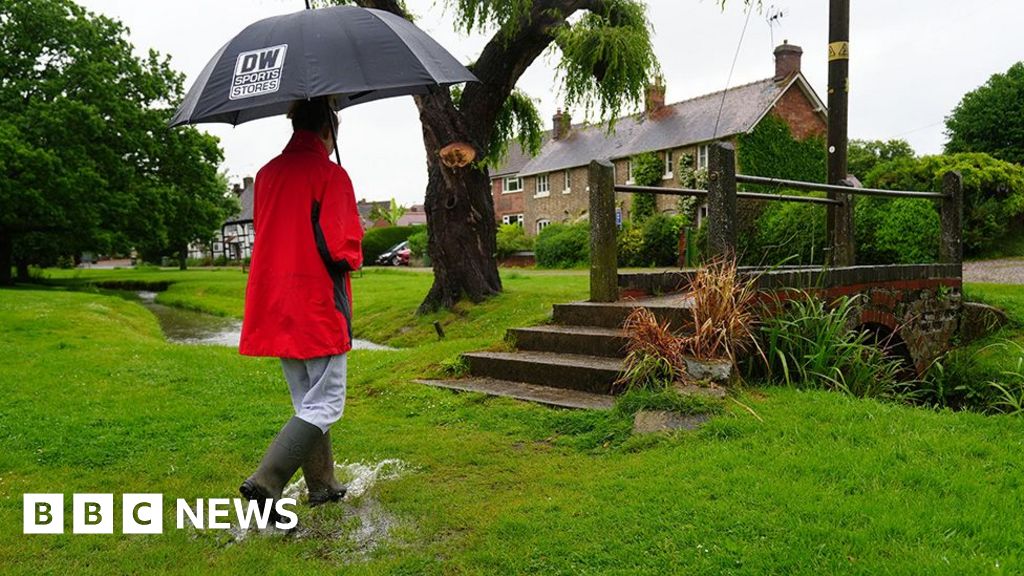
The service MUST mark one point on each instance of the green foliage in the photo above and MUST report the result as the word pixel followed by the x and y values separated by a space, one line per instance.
pixel 809 343
pixel 786 232
pixel 563 246
pixel 771 150
pixel 896 231
pixel 87 158
pixel 993 192
pixel 392 214
pixel 418 242
pixel 607 57
pixel 511 239
pixel 666 398
pixel 630 243
pixel 989 119
pixel 661 240
pixel 519 121
pixel 379 240
pixel 864 155
pixel 646 169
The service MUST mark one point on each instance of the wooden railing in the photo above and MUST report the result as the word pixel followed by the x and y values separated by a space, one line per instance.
pixel 721 196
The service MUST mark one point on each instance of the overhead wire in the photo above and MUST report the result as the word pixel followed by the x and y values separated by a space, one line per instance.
pixel 725 91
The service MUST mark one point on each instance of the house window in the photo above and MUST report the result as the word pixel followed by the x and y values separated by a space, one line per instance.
pixel 702 214
pixel 567 184
pixel 542 224
pixel 629 172
pixel 512 219
pixel 702 156
pixel 543 186
pixel 668 165
pixel 512 184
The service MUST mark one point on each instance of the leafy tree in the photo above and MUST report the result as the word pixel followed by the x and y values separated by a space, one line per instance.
pixel 86 160
pixel 605 61
pixel 647 169
pixel 392 214
pixel 990 119
pixel 864 155
pixel 993 193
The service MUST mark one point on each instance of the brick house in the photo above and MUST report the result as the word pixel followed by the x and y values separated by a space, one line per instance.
pixel 552 186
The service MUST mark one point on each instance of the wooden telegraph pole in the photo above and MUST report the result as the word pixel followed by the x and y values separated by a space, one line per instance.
pixel 840 218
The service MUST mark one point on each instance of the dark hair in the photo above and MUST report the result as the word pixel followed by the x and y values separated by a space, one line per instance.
pixel 314 115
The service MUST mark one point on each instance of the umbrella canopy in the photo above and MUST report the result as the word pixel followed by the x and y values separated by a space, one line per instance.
pixel 355 54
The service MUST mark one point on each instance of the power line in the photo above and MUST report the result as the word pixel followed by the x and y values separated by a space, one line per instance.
pixel 721 105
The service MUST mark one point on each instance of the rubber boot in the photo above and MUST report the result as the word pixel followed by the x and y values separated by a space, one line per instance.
pixel 318 469
pixel 283 457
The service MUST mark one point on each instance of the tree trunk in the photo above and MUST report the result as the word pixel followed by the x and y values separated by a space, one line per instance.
pixel 6 251
pixel 183 258
pixel 22 266
pixel 460 213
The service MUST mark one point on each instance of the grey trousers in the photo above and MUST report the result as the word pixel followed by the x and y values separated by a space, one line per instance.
pixel 317 387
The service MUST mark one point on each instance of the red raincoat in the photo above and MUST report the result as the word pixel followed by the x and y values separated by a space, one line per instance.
pixel 298 301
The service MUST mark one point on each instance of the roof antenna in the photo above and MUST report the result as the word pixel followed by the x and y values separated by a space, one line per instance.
pixel 773 16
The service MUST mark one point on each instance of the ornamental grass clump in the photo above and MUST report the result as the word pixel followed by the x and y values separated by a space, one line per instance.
pixel 723 310
pixel 653 353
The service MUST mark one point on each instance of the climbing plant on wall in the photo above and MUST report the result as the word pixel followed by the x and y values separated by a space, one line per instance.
pixel 647 170
pixel 771 150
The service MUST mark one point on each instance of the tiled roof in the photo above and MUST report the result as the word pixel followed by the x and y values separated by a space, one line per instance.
pixel 676 125
pixel 516 158
pixel 245 214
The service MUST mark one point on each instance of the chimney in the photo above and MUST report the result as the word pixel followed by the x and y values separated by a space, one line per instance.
pixel 247 182
pixel 787 60
pixel 655 96
pixel 560 124
pixel 236 189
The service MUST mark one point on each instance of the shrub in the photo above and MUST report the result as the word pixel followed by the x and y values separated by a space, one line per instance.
pixel 993 192
pixel 722 309
pixel 653 353
pixel 786 232
pixel 418 242
pixel 511 239
pixel 661 240
pixel 896 231
pixel 630 241
pixel 563 246
pixel 647 170
pixel 809 344
pixel 380 240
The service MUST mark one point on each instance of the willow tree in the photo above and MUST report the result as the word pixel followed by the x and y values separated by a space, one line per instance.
pixel 605 62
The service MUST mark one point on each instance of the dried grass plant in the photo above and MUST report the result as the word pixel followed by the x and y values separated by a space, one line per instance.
pixel 724 315
pixel 653 353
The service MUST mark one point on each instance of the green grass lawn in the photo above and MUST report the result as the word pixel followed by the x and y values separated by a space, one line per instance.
pixel 96 401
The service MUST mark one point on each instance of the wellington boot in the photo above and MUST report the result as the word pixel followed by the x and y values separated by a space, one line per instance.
pixel 283 457
pixel 318 469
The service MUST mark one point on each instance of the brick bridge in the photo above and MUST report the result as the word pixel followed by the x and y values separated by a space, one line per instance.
pixel 575 360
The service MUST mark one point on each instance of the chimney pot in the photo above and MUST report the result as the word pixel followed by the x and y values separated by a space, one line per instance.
pixel 247 182
pixel 787 60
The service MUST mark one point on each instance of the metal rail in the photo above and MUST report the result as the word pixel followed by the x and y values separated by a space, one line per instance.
pixel 746 195
pixel 811 186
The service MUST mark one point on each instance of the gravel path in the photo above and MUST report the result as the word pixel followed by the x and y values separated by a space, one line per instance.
pixel 1005 271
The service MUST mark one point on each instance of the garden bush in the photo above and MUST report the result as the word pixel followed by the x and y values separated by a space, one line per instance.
pixel 380 240
pixel 630 242
pixel 896 231
pixel 661 240
pixel 418 242
pixel 786 232
pixel 511 239
pixel 563 246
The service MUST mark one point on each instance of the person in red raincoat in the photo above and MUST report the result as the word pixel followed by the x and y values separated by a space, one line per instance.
pixel 298 301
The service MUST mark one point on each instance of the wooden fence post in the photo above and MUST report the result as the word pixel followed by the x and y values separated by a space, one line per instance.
pixel 604 271
pixel 951 250
pixel 722 200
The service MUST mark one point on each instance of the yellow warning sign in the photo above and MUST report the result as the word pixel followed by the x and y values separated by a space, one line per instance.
pixel 838 51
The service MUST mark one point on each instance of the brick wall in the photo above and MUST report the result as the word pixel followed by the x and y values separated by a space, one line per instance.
pixel 505 204
pixel 797 110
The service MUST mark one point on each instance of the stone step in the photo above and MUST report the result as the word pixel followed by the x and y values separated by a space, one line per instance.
pixel 586 340
pixel 672 308
pixel 547 395
pixel 595 374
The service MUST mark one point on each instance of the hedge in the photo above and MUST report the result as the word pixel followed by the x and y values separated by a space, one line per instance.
pixel 379 240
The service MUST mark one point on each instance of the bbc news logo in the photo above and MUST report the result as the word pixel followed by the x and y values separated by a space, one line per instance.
pixel 144 513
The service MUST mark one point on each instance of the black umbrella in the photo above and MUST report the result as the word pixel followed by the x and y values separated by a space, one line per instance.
pixel 355 54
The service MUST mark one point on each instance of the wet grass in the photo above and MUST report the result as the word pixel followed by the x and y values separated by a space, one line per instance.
pixel 96 401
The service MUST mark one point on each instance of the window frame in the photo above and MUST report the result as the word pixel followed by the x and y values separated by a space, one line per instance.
pixel 542 223
pixel 505 188
pixel 629 172
pixel 567 182
pixel 669 165
pixel 703 151
pixel 538 193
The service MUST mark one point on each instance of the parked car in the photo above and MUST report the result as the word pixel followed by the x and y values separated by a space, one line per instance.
pixel 398 255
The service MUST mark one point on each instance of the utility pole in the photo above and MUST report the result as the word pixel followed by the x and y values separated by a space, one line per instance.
pixel 840 218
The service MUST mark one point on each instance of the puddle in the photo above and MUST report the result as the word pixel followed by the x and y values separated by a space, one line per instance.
pixel 183 326
pixel 365 524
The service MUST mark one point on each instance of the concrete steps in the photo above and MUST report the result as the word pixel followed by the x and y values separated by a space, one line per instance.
pixel 547 395
pixel 672 308
pixel 594 374
pixel 582 340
